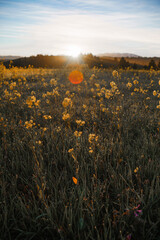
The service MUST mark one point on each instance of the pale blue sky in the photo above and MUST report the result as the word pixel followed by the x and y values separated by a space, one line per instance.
pixel 61 27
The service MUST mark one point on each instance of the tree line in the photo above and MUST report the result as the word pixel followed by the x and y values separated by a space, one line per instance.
pixel 46 61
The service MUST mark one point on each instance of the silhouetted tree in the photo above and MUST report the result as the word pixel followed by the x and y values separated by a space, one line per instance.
pixel 135 66
pixel 158 65
pixel 152 64
pixel 123 63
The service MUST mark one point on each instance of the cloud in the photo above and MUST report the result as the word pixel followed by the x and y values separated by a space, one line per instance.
pixel 44 29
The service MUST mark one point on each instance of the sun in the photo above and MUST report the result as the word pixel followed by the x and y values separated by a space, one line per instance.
pixel 73 50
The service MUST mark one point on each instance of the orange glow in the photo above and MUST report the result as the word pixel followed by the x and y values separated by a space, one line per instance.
pixel 75 180
pixel 75 77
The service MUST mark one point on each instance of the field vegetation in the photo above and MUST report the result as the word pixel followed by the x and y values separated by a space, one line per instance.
pixel 79 161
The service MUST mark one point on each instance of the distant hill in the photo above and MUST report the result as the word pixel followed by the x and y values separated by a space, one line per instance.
pixel 9 58
pixel 119 55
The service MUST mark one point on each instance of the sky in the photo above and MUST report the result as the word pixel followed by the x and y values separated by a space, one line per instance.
pixel 70 27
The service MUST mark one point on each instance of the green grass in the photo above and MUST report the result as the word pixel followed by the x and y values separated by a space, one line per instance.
pixel 38 198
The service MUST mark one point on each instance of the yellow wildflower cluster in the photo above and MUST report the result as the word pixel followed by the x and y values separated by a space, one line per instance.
pixel 90 150
pixel 141 90
pixel 105 109
pixel 135 82
pixel 115 73
pixel 33 93
pixel 92 137
pixel 29 124
pixel 53 82
pixel 7 94
pixel 67 102
pixel 80 122
pixel 77 134
pixel 66 116
pixel 58 129
pixel 92 77
pixel 67 93
pixel 12 85
pixel 129 85
pixel 113 84
pixel 108 94
pixel 55 92
pixel 32 100
pixel 47 117
pixel 49 93
pixel 97 85
pixel 114 88
pixel 11 95
pixel 136 90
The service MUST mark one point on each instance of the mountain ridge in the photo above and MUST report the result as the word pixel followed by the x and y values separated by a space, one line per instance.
pixel 9 57
pixel 130 55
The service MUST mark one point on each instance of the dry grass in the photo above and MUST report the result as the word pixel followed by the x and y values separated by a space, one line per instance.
pixel 79 161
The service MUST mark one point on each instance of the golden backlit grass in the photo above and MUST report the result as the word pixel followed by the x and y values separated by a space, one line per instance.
pixel 79 161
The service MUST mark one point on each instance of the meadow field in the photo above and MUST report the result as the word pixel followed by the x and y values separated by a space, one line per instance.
pixel 79 161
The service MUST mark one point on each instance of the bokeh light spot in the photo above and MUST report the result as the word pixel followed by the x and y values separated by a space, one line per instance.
pixel 75 77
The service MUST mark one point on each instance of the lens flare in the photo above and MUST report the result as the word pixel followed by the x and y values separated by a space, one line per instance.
pixel 75 77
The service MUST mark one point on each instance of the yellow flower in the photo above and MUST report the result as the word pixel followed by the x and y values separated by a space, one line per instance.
pixel 53 82
pixel 67 102
pixel 92 137
pixel 70 150
pixel 136 89
pixel 77 134
pixel 67 93
pixel 28 124
pixel 113 84
pixel 80 123
pixel 47 117
pixel 90 150
pixel 154 93
pixel 115 73
pixel 135 82
pixel 129 85
pixel 108 94
pixel 65 116
pixel 37 103
pixel 136 170
pixel 97 85
pixel 92 89
pixel 39 142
